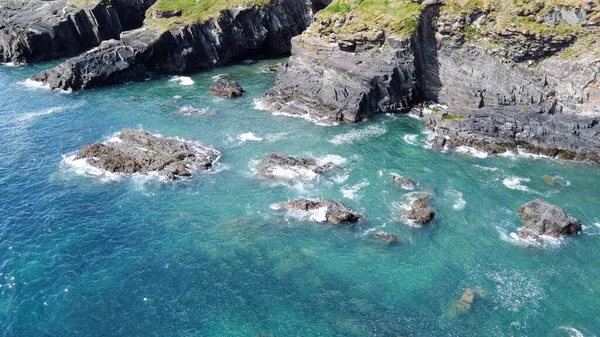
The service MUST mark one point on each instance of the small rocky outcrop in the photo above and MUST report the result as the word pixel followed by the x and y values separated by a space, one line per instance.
pixel 554 180
pixel 137 151
pixel 404 183
pixel 226 87
pixel 335 213
pixel 385 237
pixel 218 41
pixel 541 218
pixel 272 165
pixel 419 211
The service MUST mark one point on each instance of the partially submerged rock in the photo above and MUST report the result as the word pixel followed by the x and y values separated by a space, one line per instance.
pixel 404 183
pixel 465 304
pixel 137 151
pixel 386 237
pixel 334 212
pixel 420 212
pixel 541 218
pixel 226 87
pixel 554 180
pixel 280 165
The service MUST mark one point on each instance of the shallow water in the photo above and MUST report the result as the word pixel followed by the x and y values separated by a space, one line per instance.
pixel 107 256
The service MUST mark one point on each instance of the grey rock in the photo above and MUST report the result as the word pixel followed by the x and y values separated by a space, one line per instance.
pixel 565 16
pixel 226 87
pixel 541 218
pixel 277 161
pixel 36 30
pixel 404 183
pixel 386 237
pixel 137 151
pixel 420 212
pixel 220 41
pixel 336 213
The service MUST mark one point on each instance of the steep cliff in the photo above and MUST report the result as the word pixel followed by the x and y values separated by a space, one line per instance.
pixel 494 63
pixel 37 30
pixel 214 41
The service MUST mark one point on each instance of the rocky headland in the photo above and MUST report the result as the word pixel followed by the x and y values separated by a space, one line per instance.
pixel 136 151
pixel 514 75
pixel 176 39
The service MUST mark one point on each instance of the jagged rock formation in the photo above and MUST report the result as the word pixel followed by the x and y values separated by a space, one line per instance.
pixel 226 87
pixel 136 151
pixel 215 42
pixel 419 211
pixel 334 212
pixel 404 183
pixel 280 165
pixel 541 218
pixel 386 238
pixel 37 30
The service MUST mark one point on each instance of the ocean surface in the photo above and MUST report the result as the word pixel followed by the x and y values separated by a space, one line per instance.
pixel 83 253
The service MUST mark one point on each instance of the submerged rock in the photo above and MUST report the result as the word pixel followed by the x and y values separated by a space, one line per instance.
pixel 334 212
pixel 226 87
pixel 465 304
pixel 420 212
pixel 554 181
pixel 276 165
pixel 386 237
pixel 404 183
pixel 541 218
pixel 137 151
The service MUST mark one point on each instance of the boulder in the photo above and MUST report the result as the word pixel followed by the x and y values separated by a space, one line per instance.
pixel 137 151
pixel 404 183
pixel 165 14
pixel 335 213
pixel 541 218
pixel 420 212
pixel 276 165
pixel 226 87
pixel 386 237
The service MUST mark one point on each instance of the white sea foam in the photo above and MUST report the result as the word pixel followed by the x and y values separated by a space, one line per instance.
pixel 430 107
pixel 543 241
pixel 351 192
pixel 316 215
pixel 218 76
pixel 114 139
pixel 190 110
pixel 29 83
pixel 330 159
pixel 30 115
pixel 472 152
pixel 458 202
pixel 410 139
pixel 572 331
pixel 10 64
pixel 183 80
pixel 248 136
pixel 516 290
pixel 81 167
pixel 593 229
pixel 258 104
pixel 340 178
pixel 177 97
pixel 514 183
pixel 358 134
pixel 321 121
pixel 273 137
pixel 486 168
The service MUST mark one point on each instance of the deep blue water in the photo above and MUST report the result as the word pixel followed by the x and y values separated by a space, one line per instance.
pixel 84 255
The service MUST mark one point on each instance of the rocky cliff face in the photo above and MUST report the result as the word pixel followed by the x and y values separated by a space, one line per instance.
pixel 531 83
pixel 236 33
pixel 38 30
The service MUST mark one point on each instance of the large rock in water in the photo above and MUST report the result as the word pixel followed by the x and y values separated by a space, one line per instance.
pixel 37 30
pixel 420 212
pixel 137 151
pixel 280 165
pixel 226 87
pixel 542 218
pixel 333 212
pixel 218 41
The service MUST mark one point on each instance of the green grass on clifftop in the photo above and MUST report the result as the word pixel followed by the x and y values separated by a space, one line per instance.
pixel 196 11
pixel 370 17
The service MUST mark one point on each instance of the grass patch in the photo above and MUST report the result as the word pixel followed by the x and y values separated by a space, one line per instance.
pixel 450 117
pixel 84 3
pixel 196 11
pixel 393 17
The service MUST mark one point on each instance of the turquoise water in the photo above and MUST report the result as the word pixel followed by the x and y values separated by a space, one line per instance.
pixel 84 255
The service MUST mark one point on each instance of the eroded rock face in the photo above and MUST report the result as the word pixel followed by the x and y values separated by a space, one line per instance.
pixel 541 218
pixel 37 30
pixel 420 212
pixel 236 33
pixel 335 213
pixel 279 165
pixel 136 151
pixel 226 87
